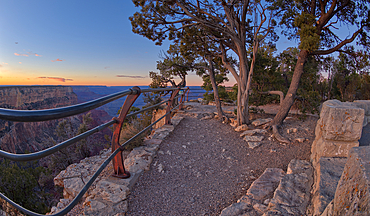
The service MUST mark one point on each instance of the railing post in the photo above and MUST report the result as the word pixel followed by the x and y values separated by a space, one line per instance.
pixel 181 100
pixel 170 102
pixel 118 166
pixel 187 94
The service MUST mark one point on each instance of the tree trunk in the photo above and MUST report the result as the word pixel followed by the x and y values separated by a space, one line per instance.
pixel 214 86
pixel 243 114
pixel 292 91
pixel 249 81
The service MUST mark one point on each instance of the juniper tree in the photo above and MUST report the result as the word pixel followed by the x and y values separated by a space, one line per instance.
pixel 314 23
pixel 228 22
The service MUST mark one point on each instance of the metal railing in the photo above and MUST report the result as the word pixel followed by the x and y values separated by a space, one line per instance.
pixel 117 122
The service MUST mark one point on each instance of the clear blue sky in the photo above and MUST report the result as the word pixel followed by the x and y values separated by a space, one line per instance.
pixel 76 43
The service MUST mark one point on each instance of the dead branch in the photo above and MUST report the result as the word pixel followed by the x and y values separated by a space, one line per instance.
pixel 280 93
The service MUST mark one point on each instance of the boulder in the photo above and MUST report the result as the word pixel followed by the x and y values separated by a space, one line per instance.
pixel 341 121
pixel 265 184
pixel 253 138
pixel 139 159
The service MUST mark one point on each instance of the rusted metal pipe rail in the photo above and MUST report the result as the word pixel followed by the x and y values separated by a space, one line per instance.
pixel 51 114
pixel 92 179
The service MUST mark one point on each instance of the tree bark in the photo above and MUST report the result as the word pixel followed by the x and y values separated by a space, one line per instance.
pixel 292 91
pixel 243 114
pixel 214 86
pixel 249 81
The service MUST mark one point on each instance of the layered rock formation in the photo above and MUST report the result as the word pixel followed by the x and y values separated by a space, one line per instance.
pixel 36 97
pixel 18 137
pixel 290 192
pixel 107 195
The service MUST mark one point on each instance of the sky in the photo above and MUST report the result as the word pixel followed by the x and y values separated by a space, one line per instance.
pixel 45 42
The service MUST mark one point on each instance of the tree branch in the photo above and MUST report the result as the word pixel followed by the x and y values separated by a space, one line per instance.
pixel 337 47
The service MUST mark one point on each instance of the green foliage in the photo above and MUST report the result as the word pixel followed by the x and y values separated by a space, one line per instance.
pixel 275 73
pixel 135 124
pixel 266 77
pixel 132 128
pixel 21 182
pixel 309 39
pixel 350 78
pixel 207 85
pixel 173 65
pixel 66 129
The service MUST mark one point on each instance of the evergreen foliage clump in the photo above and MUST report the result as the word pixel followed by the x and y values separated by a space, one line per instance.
pixel 24 184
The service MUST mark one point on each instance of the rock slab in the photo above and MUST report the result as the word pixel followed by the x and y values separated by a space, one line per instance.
pixel 327 174
pixel 293 193
pixel 352 196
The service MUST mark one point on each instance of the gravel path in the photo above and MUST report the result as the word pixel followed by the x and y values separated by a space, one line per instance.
pixel 206 167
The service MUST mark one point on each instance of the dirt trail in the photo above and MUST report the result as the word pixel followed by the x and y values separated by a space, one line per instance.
pixel 204 166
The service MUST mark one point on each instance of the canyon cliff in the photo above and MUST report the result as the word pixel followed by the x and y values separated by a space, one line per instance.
pixel 19 137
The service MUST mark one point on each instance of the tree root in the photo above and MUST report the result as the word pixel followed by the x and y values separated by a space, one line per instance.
pixel 278 136
pixel 225 119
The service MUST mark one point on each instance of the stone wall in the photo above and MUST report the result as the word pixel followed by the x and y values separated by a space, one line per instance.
pixel 107 195
pixel 337 131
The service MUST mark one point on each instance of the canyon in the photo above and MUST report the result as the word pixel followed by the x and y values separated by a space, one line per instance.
pixel 20 137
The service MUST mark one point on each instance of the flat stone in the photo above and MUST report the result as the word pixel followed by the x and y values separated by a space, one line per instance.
pixel 72 187
pixel 259 122
pixel 328 210
pixel 160 135
pixel 299 166
pixel 352 196
pixel 253 138
pixel 138 159
pixel 238 209
pixel 328 172
pixel 265 184
pixel 242 128
pixel 252 132
pixel 253 145
pixel 121 208
pixel 129 182
pixel 153 142
pixel 176 120
pixel 110 191
pixel 93 207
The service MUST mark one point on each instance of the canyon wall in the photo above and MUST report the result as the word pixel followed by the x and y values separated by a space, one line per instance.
pixel 18 137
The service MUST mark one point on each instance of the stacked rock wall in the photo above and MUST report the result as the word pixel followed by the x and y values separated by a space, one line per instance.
pixel 337 131
pixel 107 195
